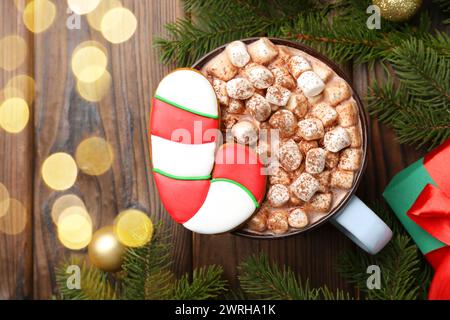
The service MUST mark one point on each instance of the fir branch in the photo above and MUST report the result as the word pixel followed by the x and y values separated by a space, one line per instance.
pixel 264 280
pixel 206 283
pixel 145 264
pixel 94 283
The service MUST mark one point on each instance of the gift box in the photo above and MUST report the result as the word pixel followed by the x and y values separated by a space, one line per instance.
pixel 420 197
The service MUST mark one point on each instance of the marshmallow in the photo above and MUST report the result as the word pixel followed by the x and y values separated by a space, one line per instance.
pixel 305 186
pixel 350 159
pixel 220 88
pixel 259 76
pixel 277 95
pixel 336 139
pixel 221 67
pixel 322 71
pixel 355 136
pixel 306 145
pixel 258 222
pixel 298 105
pixel 278 195
pixel 310 84
pixel 337 92
pixel 331 160
pixel 298 218
pixel 258 107
pixel 279 176
pixel 278 221
pixel 229 120
pixel 285 122
pixel 236 106
pixel 289 155
pixel 262 51
pixel 324 180
pixel 325 113
pixel 283 78
pixel 297 65
pixel 315 160
pixel 321 202
pixel 341 179
pixel 347 114
pixel 237 53
pixel 240 88
pixel 245 132
pixel 310 129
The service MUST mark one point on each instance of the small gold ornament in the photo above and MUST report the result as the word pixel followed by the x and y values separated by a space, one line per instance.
pixel 105 250
pixel 398 10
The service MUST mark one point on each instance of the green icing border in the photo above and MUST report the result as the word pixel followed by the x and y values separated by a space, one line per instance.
pixel 174 104
pixel 161 172
pixel 240 186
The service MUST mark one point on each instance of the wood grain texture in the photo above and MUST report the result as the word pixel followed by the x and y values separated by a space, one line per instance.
pixel 63 119
pixel 16 174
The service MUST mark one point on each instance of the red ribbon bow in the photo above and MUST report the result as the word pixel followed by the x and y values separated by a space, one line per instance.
pixel 431 211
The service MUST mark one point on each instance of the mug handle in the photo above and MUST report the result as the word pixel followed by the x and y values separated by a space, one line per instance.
pixel 362 226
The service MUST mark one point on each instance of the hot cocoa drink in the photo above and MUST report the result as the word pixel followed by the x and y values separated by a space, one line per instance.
pixel 312 163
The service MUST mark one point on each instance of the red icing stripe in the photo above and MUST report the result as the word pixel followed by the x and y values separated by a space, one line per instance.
pixel 182 126
pixel 239 163
pixel 437 163
pixel 181 198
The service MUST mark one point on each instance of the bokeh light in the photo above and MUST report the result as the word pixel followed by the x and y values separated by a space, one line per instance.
pixel 133 228
pixel 15 220
pixel 39 15
pixel 89 61
pixel 21 4
pixel 118 25
pixel 64 202
pixel 75 228
pixel 14 114
pixel 13 52
pixel 97 90
pixel 94 156
pixel 25 85
pixel 81 7
pixel 4 200
pixel 95 17
pixel 59 171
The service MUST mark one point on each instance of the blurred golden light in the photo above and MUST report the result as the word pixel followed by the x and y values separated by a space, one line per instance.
pixel 89 61
pixel 64 202
pixel 59 171
pixel 39 15
pixel 24 84
pixel 13 51
pixel 82 6
pixel 97 90
pixel 15 220
pixel 133 228
pixel 14 114
pixel 4 200
pixel 95 17
pixel 94 156
pixel 118 25
pixel 74 228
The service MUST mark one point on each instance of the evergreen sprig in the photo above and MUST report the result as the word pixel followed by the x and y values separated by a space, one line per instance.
pixel 418 107
pixel 94 283
pixel 261 279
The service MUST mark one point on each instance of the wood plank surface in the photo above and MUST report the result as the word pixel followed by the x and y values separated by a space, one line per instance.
pixel 16 172
pixel 61 119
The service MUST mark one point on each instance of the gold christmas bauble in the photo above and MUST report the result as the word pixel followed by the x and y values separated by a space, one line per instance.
pixel 105 250
pixel 398 10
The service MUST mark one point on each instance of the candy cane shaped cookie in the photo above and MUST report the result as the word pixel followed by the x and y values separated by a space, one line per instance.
pixel 207 191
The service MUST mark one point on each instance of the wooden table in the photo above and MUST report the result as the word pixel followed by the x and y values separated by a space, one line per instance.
pixel 61 119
